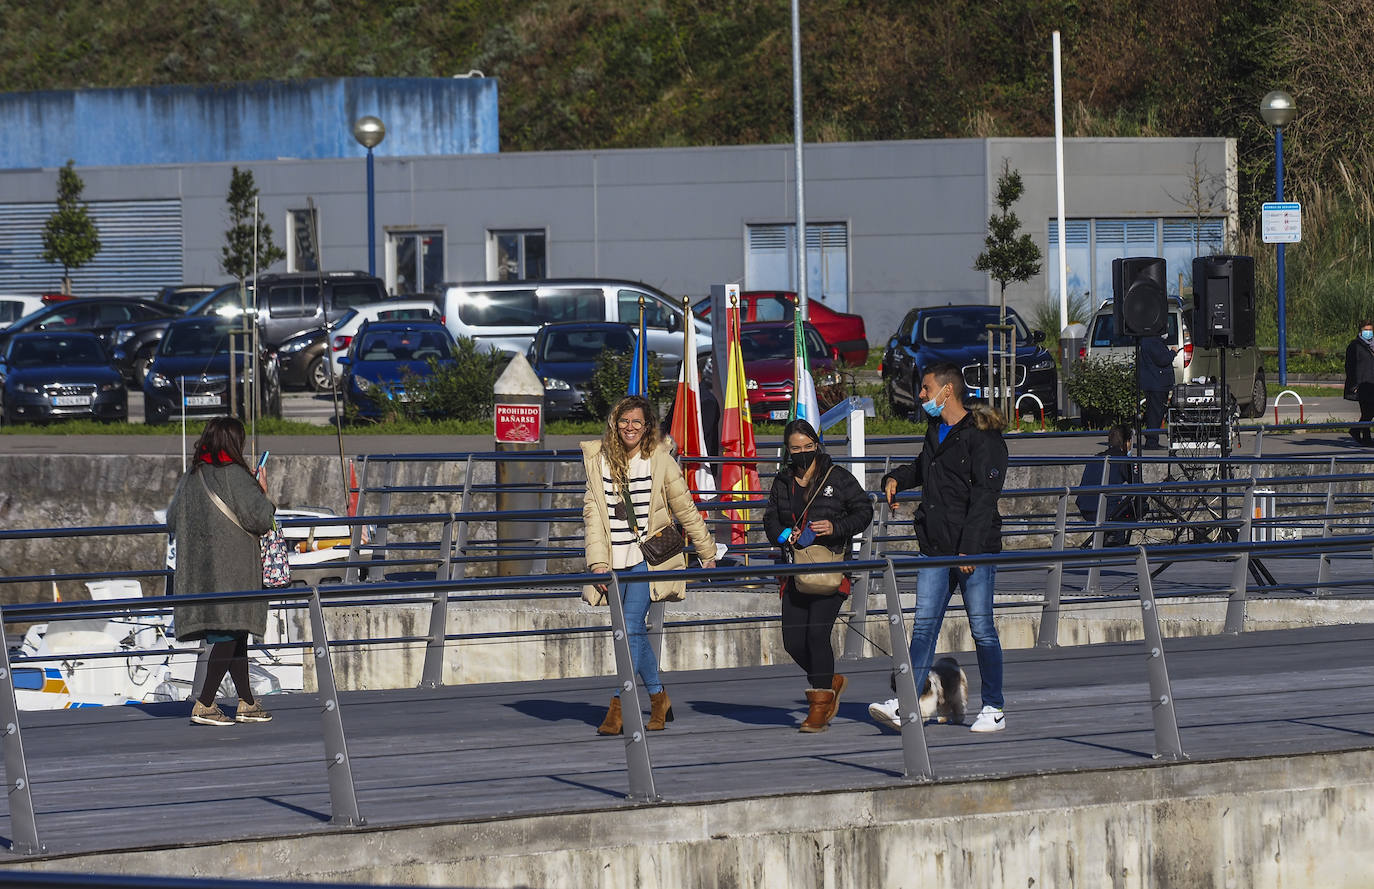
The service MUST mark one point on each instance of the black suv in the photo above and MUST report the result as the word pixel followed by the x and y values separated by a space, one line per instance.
pixel 959 335
pixel 293 303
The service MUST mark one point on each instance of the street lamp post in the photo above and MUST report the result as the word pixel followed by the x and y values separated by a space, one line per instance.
pixel 1277 108
pixel 370 131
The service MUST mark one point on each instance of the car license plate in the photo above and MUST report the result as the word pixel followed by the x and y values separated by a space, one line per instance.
pixel 400 396
pixel 71 400
pixel 778 415
pixel 202 400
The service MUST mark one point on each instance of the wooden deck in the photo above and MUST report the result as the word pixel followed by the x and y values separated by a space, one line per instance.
pixel 143 776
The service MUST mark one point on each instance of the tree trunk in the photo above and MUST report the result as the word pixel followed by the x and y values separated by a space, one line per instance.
pixel 66 284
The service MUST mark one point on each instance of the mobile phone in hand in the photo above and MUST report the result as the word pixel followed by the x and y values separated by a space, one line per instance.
pixel 262 461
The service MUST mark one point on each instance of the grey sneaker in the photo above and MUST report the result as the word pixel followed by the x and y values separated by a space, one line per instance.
pixel 251 712
pixel 211 715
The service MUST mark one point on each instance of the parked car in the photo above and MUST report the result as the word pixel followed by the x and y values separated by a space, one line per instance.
pixel 97 315
pixel 342 331
pixel 384 355
pixel 192 372
pixel 50 376
pixel 136 343
pixel 183 296
pixel 844 331
pixel 564 356
pixel 295 302
pixel 14 306
pixel 768 349
pixel 1244 366
pixel 505 315
pixel 303 361
pixel 959 335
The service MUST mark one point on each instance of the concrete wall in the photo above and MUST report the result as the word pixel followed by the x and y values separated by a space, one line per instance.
pixel 240 122
pixel 1281 821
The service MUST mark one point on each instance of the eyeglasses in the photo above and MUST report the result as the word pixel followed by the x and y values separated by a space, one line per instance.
pixel 630 424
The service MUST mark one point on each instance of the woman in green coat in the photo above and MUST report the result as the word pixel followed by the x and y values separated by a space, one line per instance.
pixel 217 515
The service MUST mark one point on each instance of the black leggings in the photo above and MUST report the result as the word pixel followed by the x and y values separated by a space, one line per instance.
pixel 231 658
pixel 807 622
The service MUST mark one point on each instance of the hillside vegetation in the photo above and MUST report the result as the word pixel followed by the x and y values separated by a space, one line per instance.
pixel 578 74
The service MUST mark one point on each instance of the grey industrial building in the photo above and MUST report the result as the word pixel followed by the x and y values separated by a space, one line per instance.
pixel 890 224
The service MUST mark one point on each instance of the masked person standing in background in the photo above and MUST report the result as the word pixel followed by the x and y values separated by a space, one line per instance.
pixel 960 471
pixel 1359 380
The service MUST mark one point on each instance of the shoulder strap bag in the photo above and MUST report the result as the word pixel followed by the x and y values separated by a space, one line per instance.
pixel 659 546
pixel 819 583
pixel 276 560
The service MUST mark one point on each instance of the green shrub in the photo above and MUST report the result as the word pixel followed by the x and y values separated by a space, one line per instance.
pixel 463 390
pixel 1105 389
pixel 611 379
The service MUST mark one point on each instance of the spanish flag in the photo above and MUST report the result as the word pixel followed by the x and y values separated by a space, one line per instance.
pixel 739 480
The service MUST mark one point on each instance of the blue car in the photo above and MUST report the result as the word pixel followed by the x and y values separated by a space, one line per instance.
pixel 385 355
pixel 51 376
pixel 564 356
pixel 959 335
pixel 190 373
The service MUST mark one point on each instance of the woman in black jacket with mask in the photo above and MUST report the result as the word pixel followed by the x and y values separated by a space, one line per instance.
pixel 814 501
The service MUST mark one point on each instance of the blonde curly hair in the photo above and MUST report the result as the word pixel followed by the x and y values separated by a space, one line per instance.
pixel 614 449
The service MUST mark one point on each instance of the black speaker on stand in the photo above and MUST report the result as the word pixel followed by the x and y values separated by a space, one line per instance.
pixel 1140 308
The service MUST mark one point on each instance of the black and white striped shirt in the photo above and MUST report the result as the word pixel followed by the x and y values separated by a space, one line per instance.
pixel 624 546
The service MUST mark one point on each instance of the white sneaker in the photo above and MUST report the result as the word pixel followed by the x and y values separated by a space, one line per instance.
pixel 885 714
pixel 990 719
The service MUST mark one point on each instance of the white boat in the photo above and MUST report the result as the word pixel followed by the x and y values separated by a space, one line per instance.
pixel 155 668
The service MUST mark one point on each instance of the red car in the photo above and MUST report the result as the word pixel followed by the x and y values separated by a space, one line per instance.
pixel 842 330
pixel 768 351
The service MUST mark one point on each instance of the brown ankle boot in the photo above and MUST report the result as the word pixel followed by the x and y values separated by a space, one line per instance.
pixel 821 700
pixel 612 724
pixel 837 685
pixel 660 712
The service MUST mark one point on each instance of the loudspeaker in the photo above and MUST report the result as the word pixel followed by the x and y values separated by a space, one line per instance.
pixel 1140 305
pixel 1224 301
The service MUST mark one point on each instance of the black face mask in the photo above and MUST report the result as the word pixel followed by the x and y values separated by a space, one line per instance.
pixel 802 460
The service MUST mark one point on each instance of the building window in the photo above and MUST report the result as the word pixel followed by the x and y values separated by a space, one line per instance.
pixel 517 255
pixel 302 227
pixel 414 261
pixel 771 260
pixel 1094 243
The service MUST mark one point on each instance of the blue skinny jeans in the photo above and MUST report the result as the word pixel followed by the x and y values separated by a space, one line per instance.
pixel 934 588
pixel 636 598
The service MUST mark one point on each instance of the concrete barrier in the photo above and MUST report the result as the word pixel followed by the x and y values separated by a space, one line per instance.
pixel 1305 820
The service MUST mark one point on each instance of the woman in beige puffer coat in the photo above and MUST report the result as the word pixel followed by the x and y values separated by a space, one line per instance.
pixel 634 489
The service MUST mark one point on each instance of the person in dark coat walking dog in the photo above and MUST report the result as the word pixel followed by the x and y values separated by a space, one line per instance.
pixel 1155 373
pixel 960 471
pixel 1359 380
pixel 814 502
pixel 217 553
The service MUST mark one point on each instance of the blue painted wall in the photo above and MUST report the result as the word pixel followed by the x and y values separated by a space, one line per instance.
pixel 313 119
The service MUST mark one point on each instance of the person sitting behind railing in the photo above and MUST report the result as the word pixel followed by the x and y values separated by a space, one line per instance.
pixel 1119 508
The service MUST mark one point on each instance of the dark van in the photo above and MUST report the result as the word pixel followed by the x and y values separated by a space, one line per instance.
pixel 294 302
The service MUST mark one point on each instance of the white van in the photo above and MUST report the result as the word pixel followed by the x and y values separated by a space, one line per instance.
pixel 14 306
pixel 504 315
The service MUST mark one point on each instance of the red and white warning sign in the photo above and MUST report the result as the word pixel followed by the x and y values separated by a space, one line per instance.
pixel 518 423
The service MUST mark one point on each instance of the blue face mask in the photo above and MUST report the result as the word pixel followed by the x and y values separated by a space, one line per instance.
pixel 931 408
pixel 1367 335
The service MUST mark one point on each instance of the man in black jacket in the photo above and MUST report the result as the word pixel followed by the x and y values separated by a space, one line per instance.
pixel 1155 373
pixel 960 472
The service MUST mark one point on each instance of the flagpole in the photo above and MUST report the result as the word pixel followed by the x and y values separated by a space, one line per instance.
pixel 643 351
pixel 739 416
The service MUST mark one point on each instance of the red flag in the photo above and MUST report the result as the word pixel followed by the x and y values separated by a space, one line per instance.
pixel 741 480
pixel 352 489
pixel 686 427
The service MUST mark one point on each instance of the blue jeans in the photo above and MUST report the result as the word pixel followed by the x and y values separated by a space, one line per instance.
pixel 934 587
pixel 636 598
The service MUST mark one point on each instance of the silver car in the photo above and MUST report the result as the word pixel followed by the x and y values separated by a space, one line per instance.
pixel 1244 367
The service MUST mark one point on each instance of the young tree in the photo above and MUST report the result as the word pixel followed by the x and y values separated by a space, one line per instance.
pixel 1008 256
pixel 247 235
pixel 69 235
